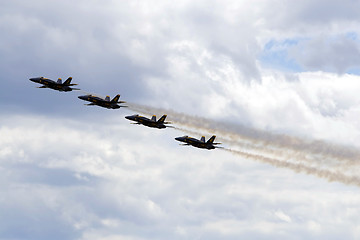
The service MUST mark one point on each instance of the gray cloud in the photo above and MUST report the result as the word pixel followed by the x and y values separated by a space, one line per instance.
pixel 339 54
pixel 112 48
pixel 309 15
pixel 320 30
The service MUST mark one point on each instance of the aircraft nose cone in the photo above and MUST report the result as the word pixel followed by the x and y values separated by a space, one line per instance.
pixel 132 117
pixel 178 138
pixel 81 97
pixel 33 79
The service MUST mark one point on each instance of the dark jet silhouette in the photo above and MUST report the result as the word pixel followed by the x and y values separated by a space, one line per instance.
pixel 106 103
pixel 149 122
pixel 199 143
pixel 59 85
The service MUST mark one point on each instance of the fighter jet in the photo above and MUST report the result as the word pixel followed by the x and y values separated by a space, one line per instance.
pixel 199 143
pixel 106 103
pixel 59 85
pixel 148 122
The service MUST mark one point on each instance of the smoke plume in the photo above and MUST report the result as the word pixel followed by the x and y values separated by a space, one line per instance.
pixel 319 158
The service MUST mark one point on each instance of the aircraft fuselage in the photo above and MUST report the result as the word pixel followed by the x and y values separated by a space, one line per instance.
pixel 48 83
pixel 195 142
pixel 146 121
pixel 99 101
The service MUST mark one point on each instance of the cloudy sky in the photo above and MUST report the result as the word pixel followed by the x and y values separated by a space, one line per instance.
pixel 272 70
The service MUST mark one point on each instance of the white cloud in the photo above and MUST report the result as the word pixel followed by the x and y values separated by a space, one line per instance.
pixel 282 216
pixel 116 181
pixel 308 106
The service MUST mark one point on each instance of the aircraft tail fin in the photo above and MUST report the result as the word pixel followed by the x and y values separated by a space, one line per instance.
pixel 211 140
pixel 116 98
pixel 162 119
pixel 68 81
pixel 202 139
pixel 59 81
pixel 107 98
pixel 153 118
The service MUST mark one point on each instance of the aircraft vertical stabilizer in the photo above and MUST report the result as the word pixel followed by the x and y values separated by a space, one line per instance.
pixel 202 139
pixel 211 140
pixel 68 81
pixel 162 119
pixel 116 98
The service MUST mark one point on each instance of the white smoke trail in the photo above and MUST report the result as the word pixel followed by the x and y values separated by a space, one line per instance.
pixel 254 138
pixel 299 167
pixel 330 161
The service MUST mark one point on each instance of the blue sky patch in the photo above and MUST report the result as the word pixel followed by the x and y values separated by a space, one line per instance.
pixel 352 36
pixel 354 71
pixel 275 55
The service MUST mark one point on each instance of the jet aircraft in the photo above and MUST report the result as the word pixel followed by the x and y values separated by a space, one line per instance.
pixel 149 122
pixel 199 143
pixel 59 85
pixel 106 103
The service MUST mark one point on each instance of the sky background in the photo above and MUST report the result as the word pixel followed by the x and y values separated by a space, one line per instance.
pixel 68 171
